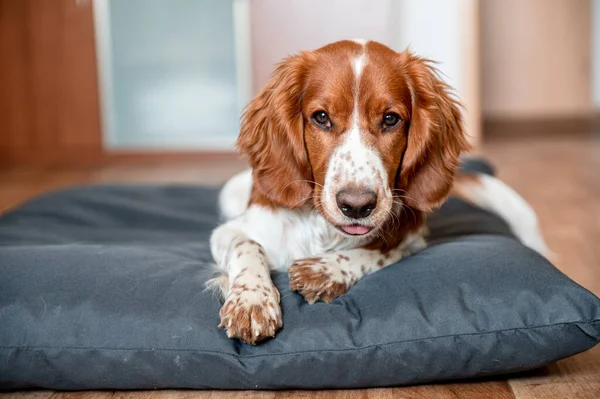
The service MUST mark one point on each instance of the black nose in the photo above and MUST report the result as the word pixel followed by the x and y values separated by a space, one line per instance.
pixel 356 203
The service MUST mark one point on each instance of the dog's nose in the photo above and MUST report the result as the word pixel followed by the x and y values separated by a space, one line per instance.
pixel 356 203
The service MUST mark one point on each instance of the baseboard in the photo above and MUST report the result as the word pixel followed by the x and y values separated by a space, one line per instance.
pixel 84 157
pixel 546 126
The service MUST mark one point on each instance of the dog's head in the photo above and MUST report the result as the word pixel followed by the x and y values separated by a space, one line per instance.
pixel 357 130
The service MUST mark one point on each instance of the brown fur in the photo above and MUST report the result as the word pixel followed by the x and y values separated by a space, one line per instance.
pixel 271 137
pixel 314 284
pixel 289 154
pixel 436 136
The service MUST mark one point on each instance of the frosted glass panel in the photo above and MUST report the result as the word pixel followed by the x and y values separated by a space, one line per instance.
pixel 171 74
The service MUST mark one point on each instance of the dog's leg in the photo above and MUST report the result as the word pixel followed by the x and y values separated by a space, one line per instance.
pixel 251 311
pixel 327 276
pixel 493 195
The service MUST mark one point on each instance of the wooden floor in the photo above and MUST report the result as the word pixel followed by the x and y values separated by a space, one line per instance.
pixel 558 175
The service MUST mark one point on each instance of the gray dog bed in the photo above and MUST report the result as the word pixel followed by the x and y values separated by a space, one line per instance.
pixel 101 287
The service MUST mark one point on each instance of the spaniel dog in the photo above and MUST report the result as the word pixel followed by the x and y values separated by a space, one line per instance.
pixel 350 146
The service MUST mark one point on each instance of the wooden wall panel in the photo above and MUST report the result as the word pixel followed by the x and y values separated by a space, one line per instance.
pixel 80 77
pixel 536 57
pixel 43 25
pixel 14 82
pixel 48 82
pixel 471 78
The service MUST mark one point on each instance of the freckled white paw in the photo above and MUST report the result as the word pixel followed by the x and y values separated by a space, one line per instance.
pixel 251 313
pixel 321 278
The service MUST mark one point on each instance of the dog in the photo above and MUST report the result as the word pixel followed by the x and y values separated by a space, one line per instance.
pixel 350 146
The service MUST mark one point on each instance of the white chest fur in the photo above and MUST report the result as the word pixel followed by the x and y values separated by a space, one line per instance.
pixel 287 235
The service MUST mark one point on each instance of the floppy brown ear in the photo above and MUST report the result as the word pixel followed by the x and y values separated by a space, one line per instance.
pixel 436 136
pixel 272 136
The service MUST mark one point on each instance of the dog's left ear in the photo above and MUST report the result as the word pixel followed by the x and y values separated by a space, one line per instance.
pixel 436 136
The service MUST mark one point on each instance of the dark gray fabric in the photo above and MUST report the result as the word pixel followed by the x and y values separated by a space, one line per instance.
pixel 101 287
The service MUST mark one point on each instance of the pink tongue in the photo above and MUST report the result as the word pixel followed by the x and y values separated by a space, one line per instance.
pixel 356 229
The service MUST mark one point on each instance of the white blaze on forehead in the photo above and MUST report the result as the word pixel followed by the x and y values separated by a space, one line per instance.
pixel 362 42
pixel 354 162
pixel 353 140
pixel 353 144
pixel 357 65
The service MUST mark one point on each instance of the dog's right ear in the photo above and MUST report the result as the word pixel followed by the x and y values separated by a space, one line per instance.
pixel 272 135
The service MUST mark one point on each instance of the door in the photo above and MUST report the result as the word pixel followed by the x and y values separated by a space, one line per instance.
pixel 168 74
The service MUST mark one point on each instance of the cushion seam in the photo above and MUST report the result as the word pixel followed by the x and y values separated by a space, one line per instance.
pixel 516 329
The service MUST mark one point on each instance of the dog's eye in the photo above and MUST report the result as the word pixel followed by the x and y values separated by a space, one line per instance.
pixel 390 120
pixel 321 119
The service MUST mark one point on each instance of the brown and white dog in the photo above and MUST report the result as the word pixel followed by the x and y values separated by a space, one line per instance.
pixel 350 145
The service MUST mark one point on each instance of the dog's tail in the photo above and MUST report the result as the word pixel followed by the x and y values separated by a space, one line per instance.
pixel 493 195
pixel 235 195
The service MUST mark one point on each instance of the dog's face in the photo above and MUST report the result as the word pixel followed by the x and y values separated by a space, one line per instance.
pixel 355 111
pixel 358 130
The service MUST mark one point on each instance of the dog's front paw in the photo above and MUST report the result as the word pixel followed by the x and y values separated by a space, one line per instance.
pixel 251 314
pixel 322 278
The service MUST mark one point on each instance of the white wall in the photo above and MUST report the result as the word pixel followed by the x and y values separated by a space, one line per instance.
pixel 432 28
pixel 448 33
pixel 284 27
pixel 536 59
